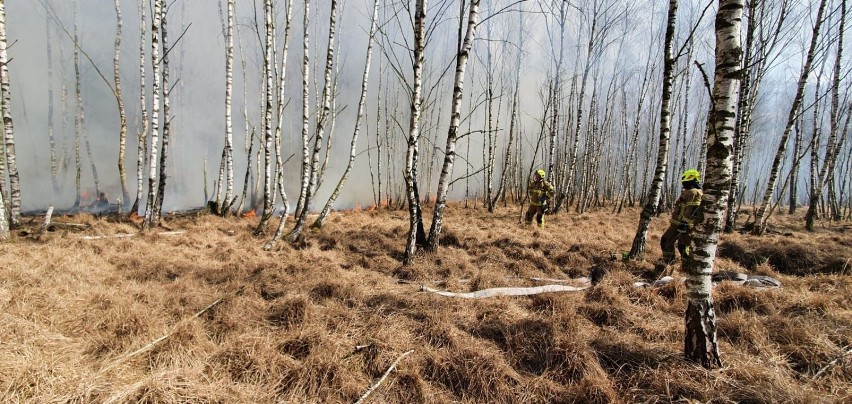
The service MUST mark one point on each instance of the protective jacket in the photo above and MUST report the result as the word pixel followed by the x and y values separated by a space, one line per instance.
pixel 539 189
pixel 685 207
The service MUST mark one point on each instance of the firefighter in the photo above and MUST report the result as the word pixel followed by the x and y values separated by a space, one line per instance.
pixel 683 217
pixel 540 192
pixel 100 204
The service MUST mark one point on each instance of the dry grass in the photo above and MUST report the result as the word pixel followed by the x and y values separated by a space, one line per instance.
pixel 291 319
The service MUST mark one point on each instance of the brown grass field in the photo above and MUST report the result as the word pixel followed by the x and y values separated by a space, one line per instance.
pixel 286 330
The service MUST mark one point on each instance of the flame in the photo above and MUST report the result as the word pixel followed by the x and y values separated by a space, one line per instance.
pixel 134 217
pixel 249 214
pixel 382 203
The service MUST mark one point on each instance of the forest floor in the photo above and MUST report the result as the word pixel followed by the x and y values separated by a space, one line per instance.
pixel 82 320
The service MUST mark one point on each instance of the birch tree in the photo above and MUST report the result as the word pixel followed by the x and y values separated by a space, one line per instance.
pixel 167 119
pixel 416 233
pixel 637 250
pixel 122 114
pixel 4 221
pixel 324 115
pixel 268 183
pixel 150 219
pixel 8 126
pixel 762 212
pixel 78 116
pixel 769 30
pixel 228 152
pixel 362 101
pixel 142 134
pixel 306 110
pixel 832 147
pixel 452 135
pixel 700 343
pixel 54 169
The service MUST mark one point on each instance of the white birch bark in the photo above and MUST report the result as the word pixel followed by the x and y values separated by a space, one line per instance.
pixel 831 147
pixel 8 125
pixel 142 135
pixel 452 134
pixel 361 106
pixel 323 117
pixel 54 168
pixel 762 212
pixel 700 344
pixel 78 127
pixel 280 172
pixel 229 128
pixel 150 219
pixel 268 184
pixel 166 97
pixel 415 217
pixel 122 113
pixel 4 221
pixel 306 110
pixel 637 250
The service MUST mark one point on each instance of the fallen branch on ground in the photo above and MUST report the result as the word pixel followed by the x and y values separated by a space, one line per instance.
pixel 755 281
pixel 165 233
pixel 154 343
pixel 479 294
pixel 47 216
pixel 382 379
pixel 846 351
pixel 580 280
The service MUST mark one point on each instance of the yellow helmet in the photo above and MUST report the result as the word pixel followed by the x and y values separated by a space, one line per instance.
pixel 541 173
pixel 690 175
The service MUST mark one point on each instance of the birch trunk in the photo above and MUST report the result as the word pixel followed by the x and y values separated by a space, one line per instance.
pixel 150 219
pixel 8 127
pixel 54 168
pixel 228 153
pixel 141 146
pixel 831 147
pixel 762 212
pixel 743 117
pixel 167 119
pixel 361 106
pixel 794 171
pixel 268 189
pixel 637 250
pixel 324 115
pixel 4 221
pixel 700 344
pixel 306 111
pixel 280 171
pixel 415 216
pixel 122 113
pixel 452 134
pixel 78 129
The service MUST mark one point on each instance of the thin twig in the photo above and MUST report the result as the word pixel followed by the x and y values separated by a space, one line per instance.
pixel 382 379
pixel 846 351
pixel 126 235
pixel 154 343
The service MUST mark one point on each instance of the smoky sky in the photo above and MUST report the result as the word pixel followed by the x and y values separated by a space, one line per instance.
pixel 198 76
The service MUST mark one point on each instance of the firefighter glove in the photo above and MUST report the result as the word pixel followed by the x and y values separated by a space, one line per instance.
pixel 682 228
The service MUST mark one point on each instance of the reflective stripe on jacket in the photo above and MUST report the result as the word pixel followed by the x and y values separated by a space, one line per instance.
pixel 537 189
pixel 685 207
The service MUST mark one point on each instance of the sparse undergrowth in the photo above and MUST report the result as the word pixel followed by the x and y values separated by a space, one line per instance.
pixel 291 319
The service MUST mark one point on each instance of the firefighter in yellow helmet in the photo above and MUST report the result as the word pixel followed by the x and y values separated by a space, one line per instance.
pixel 684 217
pixel 540 193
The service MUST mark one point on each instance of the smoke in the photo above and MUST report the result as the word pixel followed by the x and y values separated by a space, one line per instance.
pixel 197 98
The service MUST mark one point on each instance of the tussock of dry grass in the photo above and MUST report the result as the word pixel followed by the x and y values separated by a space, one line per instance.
pixel 319 321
